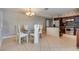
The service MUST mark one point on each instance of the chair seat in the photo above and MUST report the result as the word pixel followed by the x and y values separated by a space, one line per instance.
pixel 32 34
pixel 23 34
pixel 40 32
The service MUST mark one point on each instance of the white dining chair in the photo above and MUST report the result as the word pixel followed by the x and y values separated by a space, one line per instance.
pixel 36 34
pixel 20 34
pixel 40 30
pixel 26 27
pixel 31 35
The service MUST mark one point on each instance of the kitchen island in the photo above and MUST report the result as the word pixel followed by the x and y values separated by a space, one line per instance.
pixel 53 31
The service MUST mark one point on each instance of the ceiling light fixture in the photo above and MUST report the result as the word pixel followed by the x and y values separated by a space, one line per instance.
pixel 29 12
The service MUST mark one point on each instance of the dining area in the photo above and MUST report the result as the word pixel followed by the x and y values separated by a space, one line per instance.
pixel 26 35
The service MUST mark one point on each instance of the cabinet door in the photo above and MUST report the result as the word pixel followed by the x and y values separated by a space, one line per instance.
pixel 77 38
pixel 49 22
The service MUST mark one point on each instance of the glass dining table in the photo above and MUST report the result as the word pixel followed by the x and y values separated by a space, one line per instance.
pixel 34 33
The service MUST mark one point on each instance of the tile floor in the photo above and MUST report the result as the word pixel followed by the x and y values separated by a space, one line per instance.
pixel 47 43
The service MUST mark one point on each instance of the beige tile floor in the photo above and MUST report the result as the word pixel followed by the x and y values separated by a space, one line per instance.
pixel 47 43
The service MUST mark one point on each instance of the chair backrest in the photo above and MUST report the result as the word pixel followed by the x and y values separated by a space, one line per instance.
pixel 18 29
pixel 40 28
pixel 26 27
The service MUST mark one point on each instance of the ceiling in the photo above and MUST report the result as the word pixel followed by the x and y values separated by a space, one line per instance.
pixel 49 12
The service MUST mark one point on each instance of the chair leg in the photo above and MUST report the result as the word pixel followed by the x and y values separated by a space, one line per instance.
pixel 40 35
pixel 19 40
pixel 27 39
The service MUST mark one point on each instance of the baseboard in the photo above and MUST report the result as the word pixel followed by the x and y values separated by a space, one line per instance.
pixel 5 37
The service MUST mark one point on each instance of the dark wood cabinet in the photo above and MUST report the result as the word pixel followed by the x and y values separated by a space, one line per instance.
pixel 62 27
pixel 77 34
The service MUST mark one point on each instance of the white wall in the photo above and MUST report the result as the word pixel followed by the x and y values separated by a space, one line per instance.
pixel 1 22
pixel 12 18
